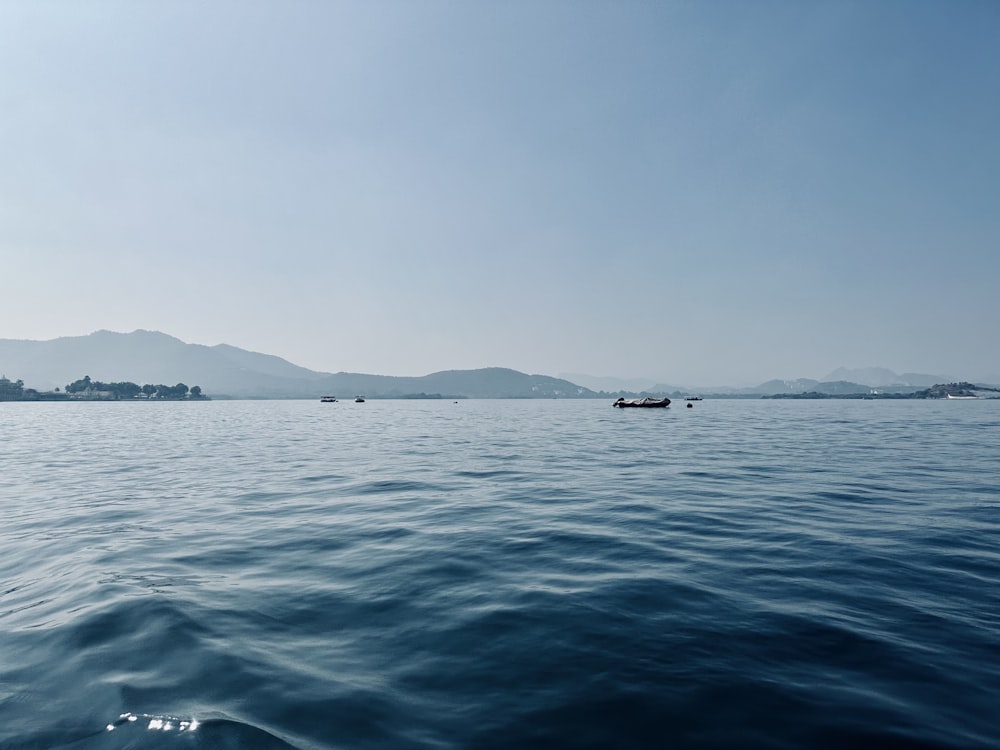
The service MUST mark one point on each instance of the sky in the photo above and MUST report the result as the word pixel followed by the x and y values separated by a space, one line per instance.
pixel 704 193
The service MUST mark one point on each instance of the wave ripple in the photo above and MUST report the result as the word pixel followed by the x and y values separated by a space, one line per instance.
pixel 504 574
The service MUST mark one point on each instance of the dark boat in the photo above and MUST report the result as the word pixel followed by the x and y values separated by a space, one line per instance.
pixel 328 400
pixel 693 398
pixel 642 403
pixel 359 400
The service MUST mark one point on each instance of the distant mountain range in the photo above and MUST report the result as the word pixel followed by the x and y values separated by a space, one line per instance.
pixel 878 377
pixel 152 357
pixel 839 382
pixel 227 371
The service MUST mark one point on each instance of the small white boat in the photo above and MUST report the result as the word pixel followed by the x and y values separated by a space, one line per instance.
pixel 959 398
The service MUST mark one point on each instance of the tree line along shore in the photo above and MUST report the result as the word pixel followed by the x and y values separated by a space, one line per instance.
pixel 86 389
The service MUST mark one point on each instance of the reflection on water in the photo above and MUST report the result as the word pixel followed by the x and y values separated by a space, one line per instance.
pixel 158 723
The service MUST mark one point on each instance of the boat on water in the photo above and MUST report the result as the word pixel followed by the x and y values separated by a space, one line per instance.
pixel 359 400
pixel 959 398
pixel 693 398
pixel 328 400
pixel 642 403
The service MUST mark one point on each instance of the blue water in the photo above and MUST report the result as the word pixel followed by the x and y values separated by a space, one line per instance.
pixel 500 574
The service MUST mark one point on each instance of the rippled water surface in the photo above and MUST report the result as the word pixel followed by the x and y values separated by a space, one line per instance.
pixel 500 574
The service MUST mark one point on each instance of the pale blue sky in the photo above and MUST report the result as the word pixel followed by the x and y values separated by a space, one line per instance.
pixel 697 192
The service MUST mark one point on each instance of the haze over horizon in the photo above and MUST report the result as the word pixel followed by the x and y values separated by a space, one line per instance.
pixel 710 194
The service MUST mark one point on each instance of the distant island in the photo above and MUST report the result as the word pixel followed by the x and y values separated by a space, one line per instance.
pixel 86 389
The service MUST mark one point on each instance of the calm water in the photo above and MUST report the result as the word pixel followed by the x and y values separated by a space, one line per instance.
pixel 500 574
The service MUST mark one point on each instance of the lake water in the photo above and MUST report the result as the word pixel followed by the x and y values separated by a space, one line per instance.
pixel 500 574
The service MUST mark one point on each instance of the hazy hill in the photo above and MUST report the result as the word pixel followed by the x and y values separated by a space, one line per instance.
pixel 611 384
pixel 490 382
pixel 223 370
pixel 879 377
pixel 265 364
pixel 152 357
pixel 798 385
